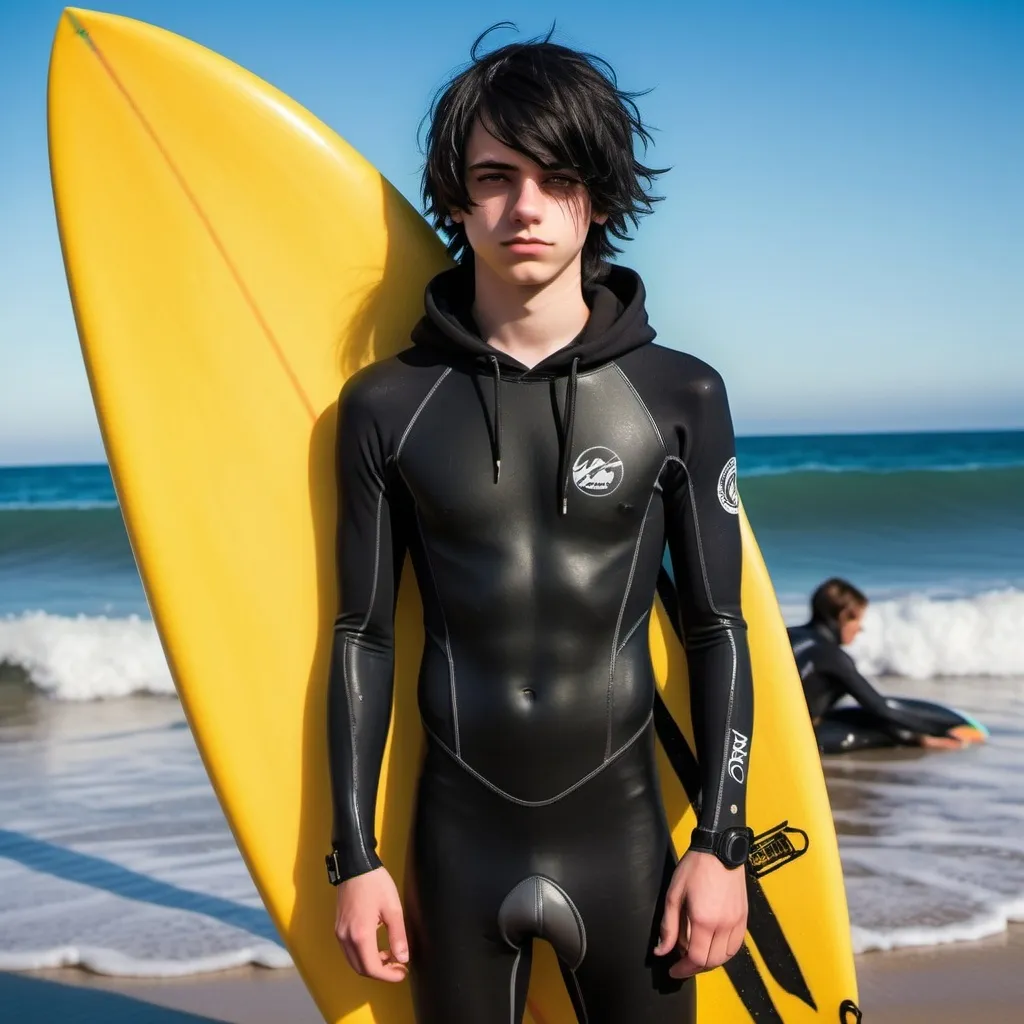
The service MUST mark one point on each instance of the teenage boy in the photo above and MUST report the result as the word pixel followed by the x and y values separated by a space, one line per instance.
pixel 534 452
pixel 828 673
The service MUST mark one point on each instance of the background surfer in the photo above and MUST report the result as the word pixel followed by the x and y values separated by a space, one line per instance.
pixel 828 673
pixel 534 453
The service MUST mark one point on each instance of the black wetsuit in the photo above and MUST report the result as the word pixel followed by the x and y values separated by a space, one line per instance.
pixel 536 505
pixel 828 674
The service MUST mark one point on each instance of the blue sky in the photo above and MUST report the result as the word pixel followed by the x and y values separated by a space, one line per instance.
pixel 843 233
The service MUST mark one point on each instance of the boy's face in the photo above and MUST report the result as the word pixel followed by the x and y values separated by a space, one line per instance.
pixel 529 222
pixel 850 627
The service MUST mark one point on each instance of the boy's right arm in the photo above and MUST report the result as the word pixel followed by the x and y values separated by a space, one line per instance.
pixel 842 667
pixel 370 550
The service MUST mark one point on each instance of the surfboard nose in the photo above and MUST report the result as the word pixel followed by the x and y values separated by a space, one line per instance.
pixel 539 908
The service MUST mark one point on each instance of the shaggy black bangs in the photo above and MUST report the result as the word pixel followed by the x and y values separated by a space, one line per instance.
pixel 559 107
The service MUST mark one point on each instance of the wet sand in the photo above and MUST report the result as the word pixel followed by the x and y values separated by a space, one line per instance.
pixel 981 982
pixel 977 981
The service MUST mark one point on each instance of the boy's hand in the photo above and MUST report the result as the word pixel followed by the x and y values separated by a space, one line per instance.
pixel 941 742
pixel 705 914
pixel 366 902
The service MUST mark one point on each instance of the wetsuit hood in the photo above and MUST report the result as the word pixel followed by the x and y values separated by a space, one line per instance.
pixel 826 628
pixel 617 324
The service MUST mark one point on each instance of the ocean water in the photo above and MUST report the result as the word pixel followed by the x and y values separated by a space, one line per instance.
pixel 113 850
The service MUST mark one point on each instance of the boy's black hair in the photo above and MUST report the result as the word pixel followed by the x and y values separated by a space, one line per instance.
pixel 835 599
pixel 548 102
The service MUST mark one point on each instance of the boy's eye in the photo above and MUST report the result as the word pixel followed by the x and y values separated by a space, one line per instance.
pixel 557 180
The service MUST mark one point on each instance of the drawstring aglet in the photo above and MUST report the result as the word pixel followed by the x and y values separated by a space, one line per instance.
pixel 565 506
pixel 497 418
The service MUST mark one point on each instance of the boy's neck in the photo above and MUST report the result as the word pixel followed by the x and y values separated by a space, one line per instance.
pixel 529 323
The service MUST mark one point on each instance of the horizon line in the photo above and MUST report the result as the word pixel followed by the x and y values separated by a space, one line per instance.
pixel 930 431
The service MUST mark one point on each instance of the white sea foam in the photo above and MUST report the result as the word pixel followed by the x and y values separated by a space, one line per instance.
pixel 921 637
pixel 86 657
pixel 108 961
pixel 932 842
pixel 982 926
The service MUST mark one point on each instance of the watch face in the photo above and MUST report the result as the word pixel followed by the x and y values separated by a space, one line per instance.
pixel 736 847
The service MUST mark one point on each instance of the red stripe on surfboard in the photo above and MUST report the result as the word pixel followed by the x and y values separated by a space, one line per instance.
pixel 250 301
pixel 535 1013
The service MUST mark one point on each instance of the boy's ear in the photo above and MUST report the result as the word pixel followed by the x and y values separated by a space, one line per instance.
pixel 598 218
pixel 457 216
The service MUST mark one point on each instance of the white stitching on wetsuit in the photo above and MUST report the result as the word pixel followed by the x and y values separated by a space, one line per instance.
pixel 727 625
pixel 608 701
pixel 696 528
pixel 423 538
pixel 376 564
pixel 579 993
pixel 512 987
pixel 345 671
pixel 550 800
pixel 632 629
pixel 643 405
pixel 348 689
pixel 616 646
pixel 538 903
pixel 447 635
pixel 579 921
pixel 728 731
pixel 422 406
pixel 352 740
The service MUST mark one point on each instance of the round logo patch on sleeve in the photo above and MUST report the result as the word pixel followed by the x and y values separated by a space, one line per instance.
pixel 728 493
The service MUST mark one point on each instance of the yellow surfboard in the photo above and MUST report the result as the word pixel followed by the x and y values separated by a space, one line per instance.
pixel 231 261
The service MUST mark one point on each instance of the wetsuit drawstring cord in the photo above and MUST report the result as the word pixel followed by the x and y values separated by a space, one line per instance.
pixel 567 430
pixel 497 418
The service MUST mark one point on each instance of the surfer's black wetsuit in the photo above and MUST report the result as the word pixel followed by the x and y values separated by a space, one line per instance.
pixel 535 505
pixel 828 674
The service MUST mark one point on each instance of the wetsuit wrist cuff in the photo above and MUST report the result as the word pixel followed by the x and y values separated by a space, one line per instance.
pixel 342 865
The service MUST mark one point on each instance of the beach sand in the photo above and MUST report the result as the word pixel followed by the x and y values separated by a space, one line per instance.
pixel 965 982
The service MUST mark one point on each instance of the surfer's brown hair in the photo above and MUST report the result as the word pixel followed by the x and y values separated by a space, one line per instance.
pixel 837 600
pixel 550 103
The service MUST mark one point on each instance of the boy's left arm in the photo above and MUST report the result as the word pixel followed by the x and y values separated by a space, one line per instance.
pixel 706 906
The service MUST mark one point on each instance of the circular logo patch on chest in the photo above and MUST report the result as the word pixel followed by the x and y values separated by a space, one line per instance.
pixel 728 493
pixel 597 471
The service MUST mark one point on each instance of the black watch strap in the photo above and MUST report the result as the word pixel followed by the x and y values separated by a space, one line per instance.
pixel 731 845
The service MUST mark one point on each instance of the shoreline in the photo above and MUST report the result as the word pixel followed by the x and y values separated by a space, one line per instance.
pixel 945 984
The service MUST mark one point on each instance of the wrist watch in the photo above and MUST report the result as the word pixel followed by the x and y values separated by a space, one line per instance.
pixel 731 845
